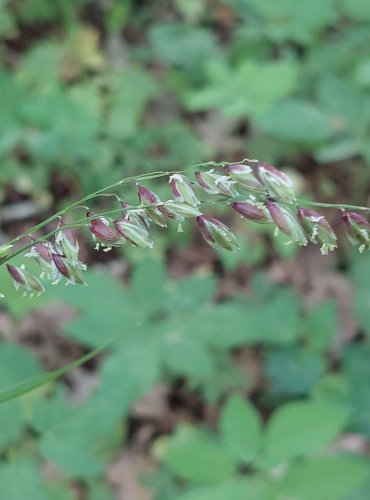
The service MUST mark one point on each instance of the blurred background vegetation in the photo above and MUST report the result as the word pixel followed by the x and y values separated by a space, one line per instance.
pixel 231 377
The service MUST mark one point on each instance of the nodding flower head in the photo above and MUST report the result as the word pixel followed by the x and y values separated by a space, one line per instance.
pixel 4 252
pixel 357 229
pixel 279 186
pixel 105 235
pixel 317 229
pixel 286 221
pixel 24 279
pixel 244 176
pixel 213 183
pixel 256 212
pixel 182 190
pixel 147 197
pixel 67 243
pixel 216 234
pixel 136 235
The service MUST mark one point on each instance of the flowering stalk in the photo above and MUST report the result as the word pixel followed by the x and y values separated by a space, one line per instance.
pixel 257 191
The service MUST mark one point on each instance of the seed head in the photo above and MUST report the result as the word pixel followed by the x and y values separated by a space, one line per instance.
pixel 255 212
pixel 137 235
pixel 216 234
pixel 286 222
pixel 214 183
pixel 24 279
pixel 105 235
pixel 42 253
pixel 244 176
pixel 147 197
pixel 180 211
pixel 66 243
pixel 182 190
pixel 317 229
pixel 68 269
pixel 278 184
pixel 357 229
pixel 4 252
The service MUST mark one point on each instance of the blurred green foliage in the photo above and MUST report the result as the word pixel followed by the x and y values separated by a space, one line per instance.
pixel 91 92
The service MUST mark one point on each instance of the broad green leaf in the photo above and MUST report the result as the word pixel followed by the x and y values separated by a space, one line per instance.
pixel 16 367
pixel 298 122
pixel 240 428
pixel 133 90
pixel 301 428
pixel 148 287
pixel 71 453
pixel 293 371
pixel 330 477
pixel 319 326
pixel 198 460
pixel 100 321
pixel 186 356
pixel 250 89
pixel 234 489
pixel 357 9
pixel 22 479
pixel 183 45
pixel 357 371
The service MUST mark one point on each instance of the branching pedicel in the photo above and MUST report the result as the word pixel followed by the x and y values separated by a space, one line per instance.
pixel 257 191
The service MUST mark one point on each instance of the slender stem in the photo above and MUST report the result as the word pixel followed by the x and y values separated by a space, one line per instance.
pixel 339 206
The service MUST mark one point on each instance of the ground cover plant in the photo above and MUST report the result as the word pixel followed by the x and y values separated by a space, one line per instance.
pixel 194 354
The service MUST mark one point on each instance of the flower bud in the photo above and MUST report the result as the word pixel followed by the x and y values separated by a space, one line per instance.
pixel 104 234
pixel 357 229
pixel 180 211
pixel 216 234
pixel 24 279
pixel 278 184
pixel 243 175
pixel 147 197
pixel 182 190
pixel 4 252
pixel 317 229
pixel 256 213
pixel 286 222
pixel 213 183
pixel 136 235
pixel 66 243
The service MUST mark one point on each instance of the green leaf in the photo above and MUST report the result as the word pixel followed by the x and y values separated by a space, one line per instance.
pixel 133 90
pixel 16 366
pixel 333 477
pixel 357 371
pixel 240 428
pixel 199 461
pixel 293 371
pixel 99 321
pixel 22 479
pixel 319 325
pixel 183 45
pixel 298 122
pixel 72 453
pixel 357 9
pixel 147 286
pixel 234 489
pixel 250 89
pixel 301 428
